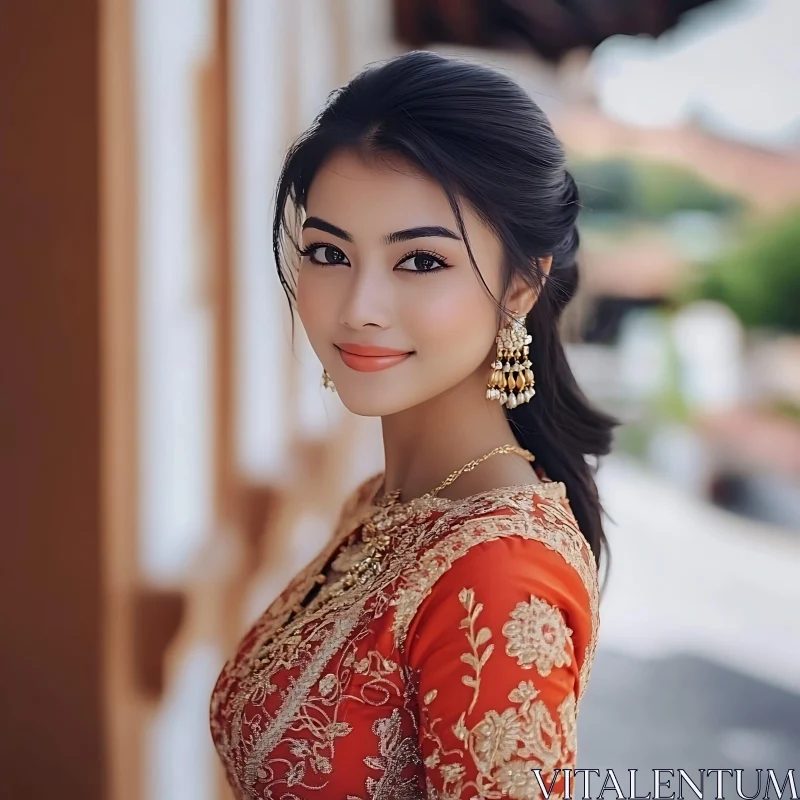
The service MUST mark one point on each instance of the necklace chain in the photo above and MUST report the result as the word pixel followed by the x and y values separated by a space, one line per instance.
pixel 393 497
pixel 375 540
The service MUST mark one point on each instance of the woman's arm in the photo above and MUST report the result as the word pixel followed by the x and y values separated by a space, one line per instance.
pixel 493 647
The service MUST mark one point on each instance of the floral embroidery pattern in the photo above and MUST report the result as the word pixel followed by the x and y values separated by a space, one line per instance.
pixel 537 636
pixel 568 719
pixel 474 659
pixel 285 726
pixel 560 535
pixel 504 746
pixel 395 752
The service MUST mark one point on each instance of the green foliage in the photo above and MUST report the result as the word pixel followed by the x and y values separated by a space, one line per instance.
pixel 647 190
pixel 633 438
pixel 786 408
pixel 760 278
pixel 606 186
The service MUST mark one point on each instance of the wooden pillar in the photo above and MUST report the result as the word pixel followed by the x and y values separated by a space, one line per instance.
pixel 118 246
pixel 51 622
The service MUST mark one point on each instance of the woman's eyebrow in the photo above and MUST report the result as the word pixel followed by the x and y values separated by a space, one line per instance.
pixel 328 227
pixel 420 233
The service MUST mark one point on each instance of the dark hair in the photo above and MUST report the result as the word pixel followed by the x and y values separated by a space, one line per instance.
pixel 485 141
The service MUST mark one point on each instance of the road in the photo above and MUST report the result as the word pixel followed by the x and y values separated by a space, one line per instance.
pixel 698 663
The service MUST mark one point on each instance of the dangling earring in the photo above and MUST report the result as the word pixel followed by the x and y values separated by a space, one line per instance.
pixel 511 381
pixel 326 381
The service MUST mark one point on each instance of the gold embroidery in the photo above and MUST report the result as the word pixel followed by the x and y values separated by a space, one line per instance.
pixel 537 635
pixel 560 534
pixel 327 684
pixel 295 705
pixel 505 746
pixel 475 659
pixel 568 719
pixel 516 781
pixel 251 716
pixel 396 752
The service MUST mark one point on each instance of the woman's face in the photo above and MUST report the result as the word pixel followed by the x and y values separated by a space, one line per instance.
pixel 385 267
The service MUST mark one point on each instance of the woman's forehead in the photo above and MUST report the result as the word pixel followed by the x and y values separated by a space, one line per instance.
pixel 373 196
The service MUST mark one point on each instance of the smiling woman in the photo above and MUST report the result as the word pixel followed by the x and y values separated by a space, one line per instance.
pixel 440 644
pixel 374 227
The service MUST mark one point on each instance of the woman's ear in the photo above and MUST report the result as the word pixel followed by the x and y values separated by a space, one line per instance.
pixel 523 296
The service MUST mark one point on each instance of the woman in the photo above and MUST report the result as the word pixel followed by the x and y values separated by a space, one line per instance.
pixel 439 645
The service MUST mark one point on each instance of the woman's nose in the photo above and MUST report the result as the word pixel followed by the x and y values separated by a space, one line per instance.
pixel 366 300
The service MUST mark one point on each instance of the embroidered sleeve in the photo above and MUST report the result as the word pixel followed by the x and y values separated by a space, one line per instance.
pixel 494 648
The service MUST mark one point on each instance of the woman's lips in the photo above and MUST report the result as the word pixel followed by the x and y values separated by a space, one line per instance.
pixel 371 363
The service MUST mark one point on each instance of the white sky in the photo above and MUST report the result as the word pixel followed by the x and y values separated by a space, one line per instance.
pixel 734 64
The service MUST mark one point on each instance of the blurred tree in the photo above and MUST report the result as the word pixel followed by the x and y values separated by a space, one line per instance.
pixel 608 185
pixel 759 279
pixel 550 27
pixel 647 189
pixel 664 189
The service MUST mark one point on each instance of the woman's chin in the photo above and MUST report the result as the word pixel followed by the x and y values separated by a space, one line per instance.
pixel 371 404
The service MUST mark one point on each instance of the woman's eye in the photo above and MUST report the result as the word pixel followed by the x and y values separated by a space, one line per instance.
pixel 326 254
pixel 422 262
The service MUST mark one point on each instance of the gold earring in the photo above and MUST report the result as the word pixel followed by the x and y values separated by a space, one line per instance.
pixel 327 383
pixel 511 381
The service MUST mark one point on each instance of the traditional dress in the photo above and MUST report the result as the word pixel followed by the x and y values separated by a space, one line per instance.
pixel 456 671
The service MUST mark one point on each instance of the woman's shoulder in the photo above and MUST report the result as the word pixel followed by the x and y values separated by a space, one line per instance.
pixel 508 544
pixel 532 523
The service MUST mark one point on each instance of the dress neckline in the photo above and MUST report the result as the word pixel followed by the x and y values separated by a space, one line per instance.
pixel 550 490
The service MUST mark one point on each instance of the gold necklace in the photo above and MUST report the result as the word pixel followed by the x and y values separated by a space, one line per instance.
pixel 391 511
pixel 367 560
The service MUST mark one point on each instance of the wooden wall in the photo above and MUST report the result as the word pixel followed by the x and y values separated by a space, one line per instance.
pixel 51 742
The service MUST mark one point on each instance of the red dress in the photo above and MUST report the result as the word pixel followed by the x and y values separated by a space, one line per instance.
pixel 455 672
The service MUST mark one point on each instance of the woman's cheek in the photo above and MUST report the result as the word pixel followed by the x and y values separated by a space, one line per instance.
pixel 311 305
pixel 453 326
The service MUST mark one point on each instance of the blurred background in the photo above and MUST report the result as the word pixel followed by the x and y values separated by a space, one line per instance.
pixel 169 461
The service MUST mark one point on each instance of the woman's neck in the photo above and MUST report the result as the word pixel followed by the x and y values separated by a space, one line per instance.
pixel 426 443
